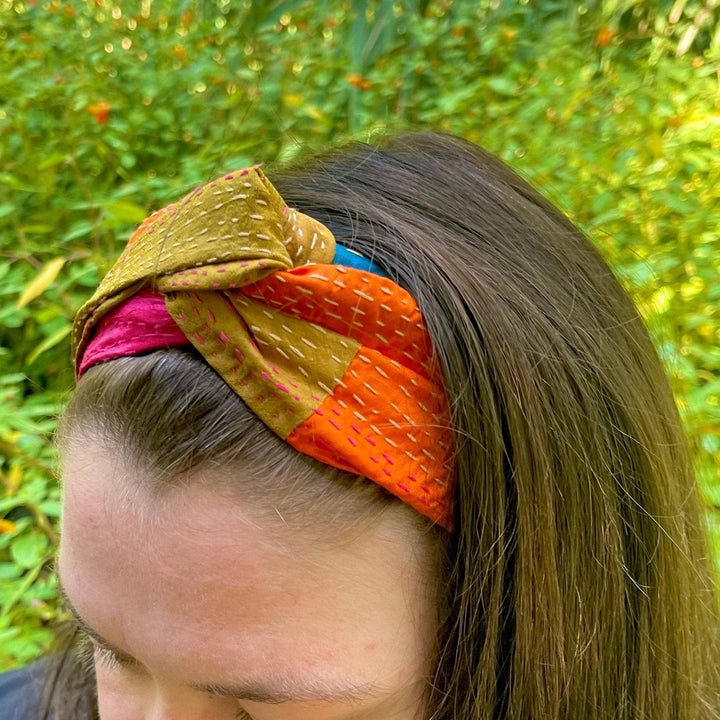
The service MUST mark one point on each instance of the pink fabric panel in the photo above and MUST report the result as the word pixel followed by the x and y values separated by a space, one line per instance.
pixel 138 325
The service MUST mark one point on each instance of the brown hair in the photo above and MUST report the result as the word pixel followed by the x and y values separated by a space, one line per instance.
pixel 578 576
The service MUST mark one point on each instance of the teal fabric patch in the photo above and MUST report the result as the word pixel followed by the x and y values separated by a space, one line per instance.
pixel 350 258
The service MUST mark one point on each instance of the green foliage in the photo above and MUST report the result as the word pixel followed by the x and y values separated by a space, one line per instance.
pixel 30 508
pixel 110 110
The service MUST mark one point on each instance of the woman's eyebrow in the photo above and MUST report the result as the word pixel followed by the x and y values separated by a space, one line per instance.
pixel 282 690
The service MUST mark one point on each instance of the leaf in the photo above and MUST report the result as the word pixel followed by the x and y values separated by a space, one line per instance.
pixel 53 160
pixel 49 342
pixel 126 211
pixel 29 550
pixel 11 379
pixel 12 181
pixel 78 230
pixel 13 479
pixel 39 228
pixel 51 507
pixel 41 282
pixel 502 85
pixel 9 571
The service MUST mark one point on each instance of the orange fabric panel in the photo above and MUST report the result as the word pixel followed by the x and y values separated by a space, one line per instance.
pixel 368 308
pixel 389 424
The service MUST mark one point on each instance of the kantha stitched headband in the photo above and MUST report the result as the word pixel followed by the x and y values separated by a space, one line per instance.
pixel 325 349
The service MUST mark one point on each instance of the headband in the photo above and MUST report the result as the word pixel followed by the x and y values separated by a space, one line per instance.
pixel 325 349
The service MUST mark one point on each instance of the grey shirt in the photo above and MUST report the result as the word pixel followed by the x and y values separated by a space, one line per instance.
pixel 20 692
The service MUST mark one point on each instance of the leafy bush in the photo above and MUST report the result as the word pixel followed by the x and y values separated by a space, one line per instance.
pixel 609 107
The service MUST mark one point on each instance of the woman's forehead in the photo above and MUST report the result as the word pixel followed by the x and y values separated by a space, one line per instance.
pixel 205 582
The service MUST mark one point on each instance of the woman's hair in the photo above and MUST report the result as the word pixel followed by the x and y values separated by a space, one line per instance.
pixel 577 581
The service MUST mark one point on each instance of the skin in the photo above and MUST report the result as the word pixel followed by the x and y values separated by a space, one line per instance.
pixel 201 591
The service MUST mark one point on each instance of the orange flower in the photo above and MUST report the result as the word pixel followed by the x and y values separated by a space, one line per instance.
pixel 7 526
pixel 186 18
pixel 604 36
pixel 358 81
pixel 179 52
pixel 100 111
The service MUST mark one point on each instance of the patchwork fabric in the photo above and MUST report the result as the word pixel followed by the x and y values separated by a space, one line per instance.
pixel 334 358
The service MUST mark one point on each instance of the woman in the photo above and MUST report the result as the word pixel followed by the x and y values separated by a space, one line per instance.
pixel 383 438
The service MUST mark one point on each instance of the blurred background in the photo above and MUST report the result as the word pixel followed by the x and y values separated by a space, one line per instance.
pixel 111 110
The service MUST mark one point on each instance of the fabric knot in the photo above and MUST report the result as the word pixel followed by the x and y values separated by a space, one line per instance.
pixel 334 358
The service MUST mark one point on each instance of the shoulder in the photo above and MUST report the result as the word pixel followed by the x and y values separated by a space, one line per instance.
pixel 20 691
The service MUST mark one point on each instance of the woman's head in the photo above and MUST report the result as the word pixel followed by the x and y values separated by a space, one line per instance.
pixel 574 582
pixel 220 603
